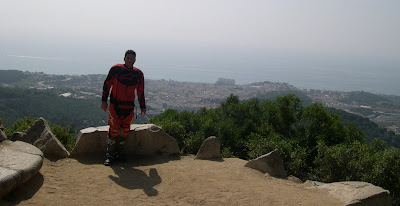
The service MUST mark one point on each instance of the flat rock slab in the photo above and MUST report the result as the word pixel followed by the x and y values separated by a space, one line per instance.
pixel 19 162
pixel 142 140
pixel 356 193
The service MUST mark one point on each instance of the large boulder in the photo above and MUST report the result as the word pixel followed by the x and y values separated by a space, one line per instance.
pixel 270 163
pixel 355 193
pixel 210 149
pixel 19 162
pixel 142 140
pixel 39 134
pixel 2 133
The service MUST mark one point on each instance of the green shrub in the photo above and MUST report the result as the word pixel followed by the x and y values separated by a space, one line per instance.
pixel 65 134
pixel 192 143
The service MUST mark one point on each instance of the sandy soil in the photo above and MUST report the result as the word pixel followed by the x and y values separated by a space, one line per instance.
pixel 161 181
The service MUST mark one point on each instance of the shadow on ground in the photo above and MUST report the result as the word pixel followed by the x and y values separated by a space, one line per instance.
pixel 128 176
pixel 24 191
pixel 133 160
pixel 131 178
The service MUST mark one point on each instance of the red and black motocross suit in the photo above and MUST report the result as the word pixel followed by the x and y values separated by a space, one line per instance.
pixel 123 83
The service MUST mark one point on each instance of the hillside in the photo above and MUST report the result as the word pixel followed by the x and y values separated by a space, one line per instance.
pixel 19 103
pixel 161 181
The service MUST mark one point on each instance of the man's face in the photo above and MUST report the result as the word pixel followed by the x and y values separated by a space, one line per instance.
pixel 129 60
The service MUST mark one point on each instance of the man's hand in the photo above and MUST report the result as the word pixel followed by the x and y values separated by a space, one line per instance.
pixel 143 111
pixel 104 105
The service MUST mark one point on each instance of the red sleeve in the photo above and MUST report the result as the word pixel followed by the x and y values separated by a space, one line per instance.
pixel 140 92
pixel 107 84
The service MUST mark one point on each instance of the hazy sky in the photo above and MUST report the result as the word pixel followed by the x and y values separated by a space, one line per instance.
pixel 356 27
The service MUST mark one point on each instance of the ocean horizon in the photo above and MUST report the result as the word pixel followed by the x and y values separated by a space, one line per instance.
pixel 376 77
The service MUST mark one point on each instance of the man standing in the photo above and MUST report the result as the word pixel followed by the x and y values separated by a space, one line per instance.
pixel 123 80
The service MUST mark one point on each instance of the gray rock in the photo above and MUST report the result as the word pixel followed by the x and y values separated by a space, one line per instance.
pixel 19 162
pixel 39 134
pixel 210 149
pixel 142 140
pixel 270 163
pixel 22 147
pixel 2 133
pixel 17 135
pixel 356 193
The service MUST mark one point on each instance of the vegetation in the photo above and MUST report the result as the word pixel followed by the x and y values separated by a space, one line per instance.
pixel 18 103
pixel 366 98
pixel 80 113
pixel 370 129
pixel 9 76
pixel 65 134
pixel 314 143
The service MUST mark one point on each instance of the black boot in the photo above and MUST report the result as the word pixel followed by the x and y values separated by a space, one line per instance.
pixel 119 154
pixel 111 151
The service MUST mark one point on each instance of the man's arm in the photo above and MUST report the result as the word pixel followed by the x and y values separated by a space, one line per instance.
pixel 106 90
pixel 140 94
pixel 142 111
pixel 104 105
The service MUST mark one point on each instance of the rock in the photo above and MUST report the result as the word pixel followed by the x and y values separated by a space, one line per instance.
pixel 210 149
pixel 142 140
pixel 294 179
pixel 355 193
pixel 2 133
pixel 39 134
pixel 17 135
pixel 270 163
pixel 19 162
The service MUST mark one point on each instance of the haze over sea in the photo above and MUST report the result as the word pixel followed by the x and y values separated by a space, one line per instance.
pixel 310 71
pixel 332 45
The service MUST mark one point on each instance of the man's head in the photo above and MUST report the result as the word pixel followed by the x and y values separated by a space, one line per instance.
pixel 130 58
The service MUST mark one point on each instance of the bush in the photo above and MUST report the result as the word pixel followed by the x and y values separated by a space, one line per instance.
pixel 314 143
pixel 20 125
pixel 65 134
pixel 192 143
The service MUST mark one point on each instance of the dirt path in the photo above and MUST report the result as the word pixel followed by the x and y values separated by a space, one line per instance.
pixel 161 181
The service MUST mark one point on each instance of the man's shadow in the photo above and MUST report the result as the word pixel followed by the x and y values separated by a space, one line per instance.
pixel 131 178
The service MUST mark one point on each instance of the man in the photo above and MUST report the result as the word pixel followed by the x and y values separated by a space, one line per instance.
pixel 123 79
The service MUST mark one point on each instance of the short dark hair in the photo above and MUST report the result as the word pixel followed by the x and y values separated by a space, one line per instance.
pixel 130 52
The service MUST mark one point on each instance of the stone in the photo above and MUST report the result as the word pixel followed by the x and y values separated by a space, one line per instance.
pixel 2 133
pixel 142 140
pixel 17 135
pixel 210 149
pixel 294 179
pixel 39 134
pixel 22 147
pixel 355 193
pixel 19 162
pixel 270 163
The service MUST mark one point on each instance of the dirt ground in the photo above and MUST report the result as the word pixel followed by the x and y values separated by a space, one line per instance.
pixel 161 181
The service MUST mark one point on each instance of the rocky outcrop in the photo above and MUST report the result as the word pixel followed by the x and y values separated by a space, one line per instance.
pixel 142 140
pixel 19 162
pixel 355 193
pixel 270 163
pixel 39 134
pixel 210 149
pixel 2 133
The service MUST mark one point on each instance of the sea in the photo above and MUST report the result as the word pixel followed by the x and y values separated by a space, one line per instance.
pixel 377 76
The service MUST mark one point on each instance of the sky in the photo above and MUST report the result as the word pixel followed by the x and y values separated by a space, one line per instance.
pixel 96 33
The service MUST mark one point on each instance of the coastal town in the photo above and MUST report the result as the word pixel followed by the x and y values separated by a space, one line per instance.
pixel 164 94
